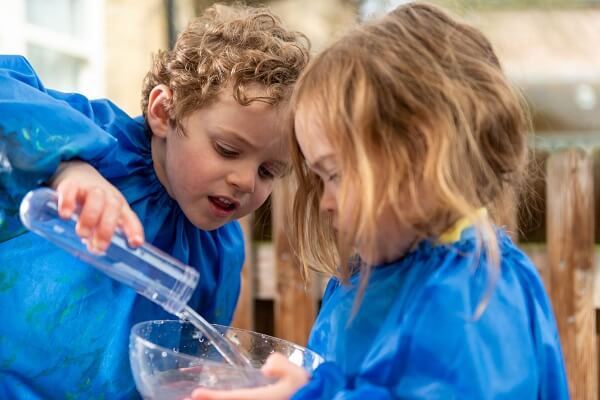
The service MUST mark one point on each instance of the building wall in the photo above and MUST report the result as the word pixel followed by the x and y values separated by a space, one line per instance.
pixel 545 45
pixel 553 56
pixel 134 31
pixel 321 21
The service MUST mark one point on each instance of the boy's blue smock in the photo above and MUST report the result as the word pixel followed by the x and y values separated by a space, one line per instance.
pixel 64 326
pixel 415 335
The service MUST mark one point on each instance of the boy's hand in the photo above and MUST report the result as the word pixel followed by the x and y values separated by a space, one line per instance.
pixel 103 207
pixel 291 378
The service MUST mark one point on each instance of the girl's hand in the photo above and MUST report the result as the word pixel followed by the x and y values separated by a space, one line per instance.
pixel 103 207
pixel 291 378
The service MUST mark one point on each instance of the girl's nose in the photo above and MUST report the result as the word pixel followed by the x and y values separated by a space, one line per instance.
pixel 243 181
pixel 328 203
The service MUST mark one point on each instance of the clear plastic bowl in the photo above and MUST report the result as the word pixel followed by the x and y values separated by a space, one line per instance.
pixel 169 359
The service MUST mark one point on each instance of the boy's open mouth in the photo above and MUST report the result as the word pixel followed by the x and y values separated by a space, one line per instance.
pixel 223 203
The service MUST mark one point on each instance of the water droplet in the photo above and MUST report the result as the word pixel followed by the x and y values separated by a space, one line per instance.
pixel 163 354
pixel 154 296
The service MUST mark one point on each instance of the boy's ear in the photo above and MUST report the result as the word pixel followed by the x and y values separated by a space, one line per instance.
pixel 157 115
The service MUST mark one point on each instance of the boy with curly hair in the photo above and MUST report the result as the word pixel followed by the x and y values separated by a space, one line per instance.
pixel 210 143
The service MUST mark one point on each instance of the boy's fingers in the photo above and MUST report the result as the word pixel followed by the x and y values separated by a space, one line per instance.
pixel 93 204
pixel 67 199
pixel 101 213
pixel 107 223
pixel 131 225
pixel 90 247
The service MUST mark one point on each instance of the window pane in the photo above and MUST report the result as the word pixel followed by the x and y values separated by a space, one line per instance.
pixel 57 70
pixel 64 16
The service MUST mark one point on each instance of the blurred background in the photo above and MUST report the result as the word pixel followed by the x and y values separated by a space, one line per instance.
pixel 548 48
pixel 102 48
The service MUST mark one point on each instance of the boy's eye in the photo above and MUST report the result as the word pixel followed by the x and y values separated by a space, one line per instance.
pixel 265 173
pixel 225 151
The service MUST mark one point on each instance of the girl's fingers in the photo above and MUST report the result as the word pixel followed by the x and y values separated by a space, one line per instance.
pixel 132 227
pixel 278 366
pixel 292 377
pixel 277 391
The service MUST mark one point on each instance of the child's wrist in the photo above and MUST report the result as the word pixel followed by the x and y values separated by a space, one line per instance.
pixel 63 171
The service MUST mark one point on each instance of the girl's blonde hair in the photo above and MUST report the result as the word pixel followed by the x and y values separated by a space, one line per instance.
pixel 414 104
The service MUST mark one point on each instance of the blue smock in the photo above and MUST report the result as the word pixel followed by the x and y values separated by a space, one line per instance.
pixel 416 335
pixel 64 326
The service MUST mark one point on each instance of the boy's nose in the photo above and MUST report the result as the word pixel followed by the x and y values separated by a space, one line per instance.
pixel 244 181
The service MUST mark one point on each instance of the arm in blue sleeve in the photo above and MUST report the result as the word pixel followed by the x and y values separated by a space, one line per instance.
pixel 410 359
pixel 329 382
pixel 37 132
pixel 436 350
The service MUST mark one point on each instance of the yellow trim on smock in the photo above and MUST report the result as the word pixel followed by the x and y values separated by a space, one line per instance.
pixel 453 234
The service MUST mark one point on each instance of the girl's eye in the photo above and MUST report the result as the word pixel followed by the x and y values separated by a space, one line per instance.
pixel 226 152
pixel 265 173
pixel 334 178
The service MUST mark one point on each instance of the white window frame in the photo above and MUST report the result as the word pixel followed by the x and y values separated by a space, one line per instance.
pixel 16 33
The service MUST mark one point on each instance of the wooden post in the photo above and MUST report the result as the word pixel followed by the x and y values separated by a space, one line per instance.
pixel 570 234
pixel 539 256
pixel 295 305
pixel 244 313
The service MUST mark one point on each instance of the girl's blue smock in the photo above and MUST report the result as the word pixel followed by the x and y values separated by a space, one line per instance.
pixel 64 326
pixel 415 335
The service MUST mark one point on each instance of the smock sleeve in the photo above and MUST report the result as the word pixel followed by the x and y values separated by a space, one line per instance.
pixel 39 128
pixel 329 382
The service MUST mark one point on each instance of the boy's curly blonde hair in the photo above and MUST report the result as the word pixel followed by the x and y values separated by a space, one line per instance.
pixel 235 46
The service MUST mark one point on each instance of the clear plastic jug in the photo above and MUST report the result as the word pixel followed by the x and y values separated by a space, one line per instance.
pixel 151 272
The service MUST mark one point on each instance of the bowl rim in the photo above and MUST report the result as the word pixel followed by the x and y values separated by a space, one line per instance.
pixel 154 346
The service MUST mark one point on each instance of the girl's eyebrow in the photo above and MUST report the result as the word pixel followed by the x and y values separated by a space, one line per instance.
pixel 318 163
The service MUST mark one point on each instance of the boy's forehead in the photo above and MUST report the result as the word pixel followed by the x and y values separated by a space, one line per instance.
pixel 257 127
pixel 250 90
